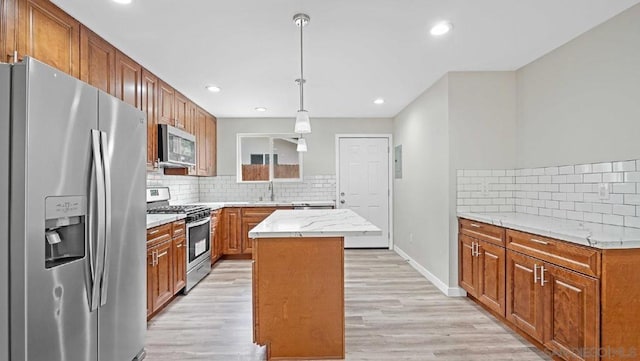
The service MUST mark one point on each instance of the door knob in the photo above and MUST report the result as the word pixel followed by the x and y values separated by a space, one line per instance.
pixel 342 201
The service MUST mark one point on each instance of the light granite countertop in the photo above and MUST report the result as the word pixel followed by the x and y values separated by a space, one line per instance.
pixel 155 220
pixel 217 205
pixel 588 234
pixel 314 223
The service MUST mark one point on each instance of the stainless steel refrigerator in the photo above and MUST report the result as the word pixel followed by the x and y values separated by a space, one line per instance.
pixel 76 223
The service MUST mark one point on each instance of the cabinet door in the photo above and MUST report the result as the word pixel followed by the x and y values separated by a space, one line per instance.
pixel 211 145
pixel 151 280
pixel 150 107
pixel 164 266
pixel 8 11
pixel 166 104
pixel 128 80
pixel 48 34
pixel 202 167
pixel 232 238
pixel 216 249
pixel 491 278
pixel 97 61
pixel 179 264
pixel 467 263
pixel 247 225
pixel 181 109
pixel 525 300
pixel 572 309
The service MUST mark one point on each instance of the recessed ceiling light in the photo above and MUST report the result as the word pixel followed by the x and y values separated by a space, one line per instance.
pixel 441 28
pixel 261 109
pixel 213 88
pixel 122 1
pixel 378 101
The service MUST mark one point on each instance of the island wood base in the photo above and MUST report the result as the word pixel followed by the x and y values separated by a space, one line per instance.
pixel 298 297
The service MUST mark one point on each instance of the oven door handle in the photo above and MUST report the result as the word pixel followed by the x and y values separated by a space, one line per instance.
pixel 199 223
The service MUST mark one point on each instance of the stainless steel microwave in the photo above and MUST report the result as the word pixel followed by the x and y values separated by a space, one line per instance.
pixel 176 148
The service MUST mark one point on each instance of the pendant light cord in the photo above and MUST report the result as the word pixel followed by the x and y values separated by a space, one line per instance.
pixel 301 67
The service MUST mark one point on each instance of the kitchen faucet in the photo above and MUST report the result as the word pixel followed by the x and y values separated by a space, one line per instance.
pixel 272 197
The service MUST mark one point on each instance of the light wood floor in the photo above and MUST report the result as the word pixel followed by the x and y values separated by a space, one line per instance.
pixel 392 313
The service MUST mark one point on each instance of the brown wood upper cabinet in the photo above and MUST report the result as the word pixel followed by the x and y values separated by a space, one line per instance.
pixel 45 32
pixel 128 80
pixel 182 112
pixel 150 107
pixel 202 166
pixel 211 144
pixel 166 104
pixel 97 61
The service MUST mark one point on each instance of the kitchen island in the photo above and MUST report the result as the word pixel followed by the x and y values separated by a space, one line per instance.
pixel 298 281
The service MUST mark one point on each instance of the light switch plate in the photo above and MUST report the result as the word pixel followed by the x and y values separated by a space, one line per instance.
pixel 603 190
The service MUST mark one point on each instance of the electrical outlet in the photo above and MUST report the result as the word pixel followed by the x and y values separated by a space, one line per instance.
pixel 603 191
pixel 410 237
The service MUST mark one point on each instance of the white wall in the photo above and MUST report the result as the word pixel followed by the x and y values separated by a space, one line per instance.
pixel 466 120
pixel 482 134
pixel 581 102
pixel 319 160
pixel 421 197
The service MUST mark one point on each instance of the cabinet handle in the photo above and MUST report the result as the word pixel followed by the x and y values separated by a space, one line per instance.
pixel 542 281
pixel 535 273
pixel 162 254
pixel 475 225
pixel 15 56
pixel 538 241
pixel 155 258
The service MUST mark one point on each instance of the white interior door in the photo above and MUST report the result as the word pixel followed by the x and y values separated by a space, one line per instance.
pixel 363 186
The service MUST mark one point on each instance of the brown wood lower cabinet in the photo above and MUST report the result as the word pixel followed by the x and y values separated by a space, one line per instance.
pixel 216 241
pixel 298 297
pixel 166 264
pixel 524 294
pixel 179 264
pixel 571 313
pixel 482 267
pixel 577 302
pixel 230 231
pixel 161 274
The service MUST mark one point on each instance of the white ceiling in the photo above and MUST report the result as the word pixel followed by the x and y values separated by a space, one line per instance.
pixel 355 50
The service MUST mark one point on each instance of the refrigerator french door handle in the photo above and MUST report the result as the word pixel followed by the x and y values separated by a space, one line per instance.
pixel 106 161
pixel 100 195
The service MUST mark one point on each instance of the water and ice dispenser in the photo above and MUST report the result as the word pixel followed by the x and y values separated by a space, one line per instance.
pixel 64 233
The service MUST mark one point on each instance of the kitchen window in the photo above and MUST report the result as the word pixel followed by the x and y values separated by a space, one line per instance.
pixel 255 152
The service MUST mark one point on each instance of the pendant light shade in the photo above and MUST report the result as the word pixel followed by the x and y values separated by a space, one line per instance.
pixel 302 145
pixel 303 125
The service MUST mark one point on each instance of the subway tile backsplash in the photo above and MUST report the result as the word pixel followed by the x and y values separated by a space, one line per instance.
pixel 225 188
pixel 187 189
pixel 569 192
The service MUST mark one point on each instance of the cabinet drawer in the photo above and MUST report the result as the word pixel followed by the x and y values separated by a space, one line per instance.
pixel 483 231
pixel 260 212
pixel 178 228
pixel 580 259
pixel 160 232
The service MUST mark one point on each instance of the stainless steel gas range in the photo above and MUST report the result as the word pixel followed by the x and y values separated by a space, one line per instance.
pixel 198 222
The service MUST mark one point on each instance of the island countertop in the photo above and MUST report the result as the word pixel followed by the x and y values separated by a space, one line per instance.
pixel 314 223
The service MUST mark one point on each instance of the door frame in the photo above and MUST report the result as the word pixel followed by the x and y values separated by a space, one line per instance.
pixel 389 138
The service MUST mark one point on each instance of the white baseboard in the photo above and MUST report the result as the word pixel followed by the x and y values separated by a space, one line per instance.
pixel 443 287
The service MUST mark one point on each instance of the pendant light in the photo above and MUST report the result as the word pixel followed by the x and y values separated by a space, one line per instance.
pixel 302 144
pixel 303 125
